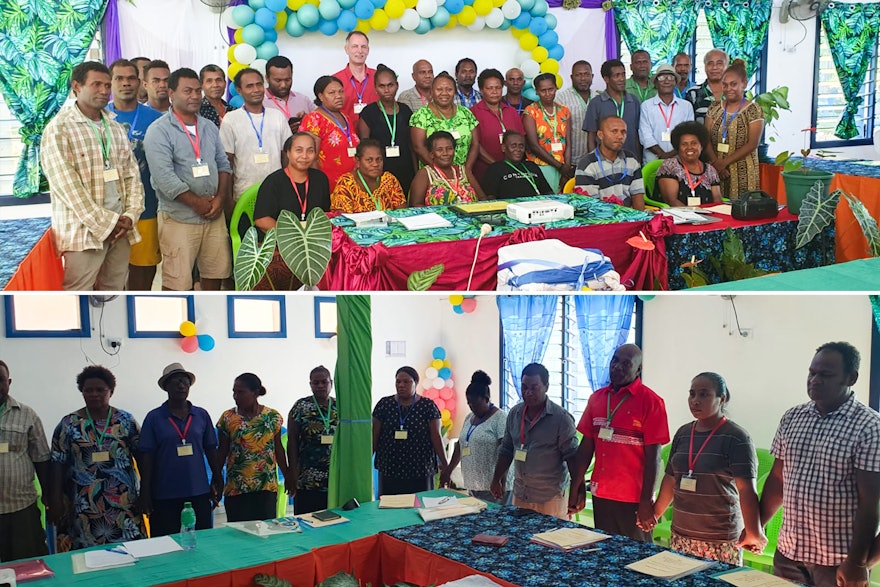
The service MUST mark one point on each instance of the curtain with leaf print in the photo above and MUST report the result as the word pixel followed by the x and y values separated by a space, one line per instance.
pixel 739 28
pixel 40 44
pixel 660 27
pixel 851 30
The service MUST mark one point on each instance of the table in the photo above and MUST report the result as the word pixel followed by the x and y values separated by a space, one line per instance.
pixel 28 259
pixel 374 259
pixel 768 244
pixel 860 275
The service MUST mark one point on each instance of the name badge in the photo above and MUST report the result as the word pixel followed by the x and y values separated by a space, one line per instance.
pixel 666 137
pixel 400 435
pixel 466 451
pixel 100 457
pixel 693 201
pixel 520 455
pixel 392 151
pixel 688 483
pixel 352 151
pixel 501 137
pixel 606 432
pixel 455 134
pixel 185 450
pixel 358 108
pixel 111 174
pixel 556 147
pixel 201 171
pixel 261 158
pixel 723 148
pixel 4 447
pixel 326 439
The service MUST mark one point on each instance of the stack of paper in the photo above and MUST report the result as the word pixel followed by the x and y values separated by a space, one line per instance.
pixel 151 547
pixel 746 577
pixel 668 565
pixel 404 500
pixel 95 560
pixel 267 528
pixel 568 539
pixel 364 219
pixel 423 221
pixel 683 216
pixel 447 511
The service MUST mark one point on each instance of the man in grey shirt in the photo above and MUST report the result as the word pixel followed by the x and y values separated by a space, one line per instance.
pixel 191 175
pixel 541 440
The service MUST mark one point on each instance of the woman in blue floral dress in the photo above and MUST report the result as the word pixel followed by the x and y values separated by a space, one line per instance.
pixel 95 485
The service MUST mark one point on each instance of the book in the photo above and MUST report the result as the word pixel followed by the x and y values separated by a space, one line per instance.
pixel 568 539
pixel 404 500
pixel 746 577
pixel 30 570
pixel 489 540
pixel 669 566
pixel 312 522
pixel 366 219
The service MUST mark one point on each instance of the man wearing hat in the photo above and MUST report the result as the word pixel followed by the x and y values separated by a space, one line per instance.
pixel 175 439
pixel 660 114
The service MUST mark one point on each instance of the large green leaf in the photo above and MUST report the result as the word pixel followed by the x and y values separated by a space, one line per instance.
pixel 817 212
pixel 867 222
pixel 253 259
pixel 424 279
pixel 305 249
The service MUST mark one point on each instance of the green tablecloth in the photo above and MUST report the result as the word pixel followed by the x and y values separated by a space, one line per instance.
pixel 861 275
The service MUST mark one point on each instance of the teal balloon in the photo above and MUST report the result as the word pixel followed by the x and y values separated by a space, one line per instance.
pixel 457 309
pixel 530 94
pixel 329 9
pixel 206 342
pixel 440 18
pixel 454 6
pixel 646 298
pixel 469 2
pixel 538 26
pixel 347 4
pixel 271 36
pixel 504 25
pixel 293 27
pixel 308 15
pixel 266 18
pixel 424 26
pixel 522 21
pixel 242 15
pixel 257 4
pixel 556 52
pixel 551 20
pixel 347 21
pixel 364 9
pixel 267 50
pixel 540 8
pixel 236 101
pixel 444 373
pixel 439 353
pixel 276 5
pixel 231 88
pixel 378 3
pixel 328 27
pixel 527 4
pixel 253 34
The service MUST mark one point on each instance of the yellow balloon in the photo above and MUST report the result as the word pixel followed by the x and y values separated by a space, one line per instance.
pixel 237 36
pixel 437 364
pixel 446 363
pixel 187 328
pixel 539 54
pixel 468 16
pixel 559 82
pixel 453 22
pixel 295 4
pixel 445 415
pixel 410 3
pixel 483 7
pixel 233 69
pixel 528 41
pixel 550 66
pixel 230 53
pixel 313 2
pixel 363 26
pixel 379 20
pixel 517 33
pixel 394 8
pixel 498 3
pixel 282 21
pixel 456 300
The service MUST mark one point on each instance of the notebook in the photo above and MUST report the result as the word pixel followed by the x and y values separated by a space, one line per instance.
pixel 568 538
pixel 668 565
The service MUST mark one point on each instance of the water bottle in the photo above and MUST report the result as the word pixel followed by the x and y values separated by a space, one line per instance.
pixel 188 527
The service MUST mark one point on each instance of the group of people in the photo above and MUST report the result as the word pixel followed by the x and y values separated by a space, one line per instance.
pixel 146 166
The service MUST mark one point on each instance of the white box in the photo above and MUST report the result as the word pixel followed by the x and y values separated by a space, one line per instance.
pixel 540 211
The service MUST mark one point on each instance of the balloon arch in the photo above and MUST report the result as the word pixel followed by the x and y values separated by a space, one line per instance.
pixel 257 24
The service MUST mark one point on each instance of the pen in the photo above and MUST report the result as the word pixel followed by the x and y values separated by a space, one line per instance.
pixel 117 551
pixel 592 550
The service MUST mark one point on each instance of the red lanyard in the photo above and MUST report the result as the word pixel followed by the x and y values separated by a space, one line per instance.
pixel 522 426
pixel 668 121
pixel 182 435
pixel 303 199
pixel 194 143
pixel 455 188
pixel 690 182
pixel 692 460
pixel 281 107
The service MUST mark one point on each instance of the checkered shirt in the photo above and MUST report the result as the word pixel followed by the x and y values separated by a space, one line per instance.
pixel 820 456
pixel 21 429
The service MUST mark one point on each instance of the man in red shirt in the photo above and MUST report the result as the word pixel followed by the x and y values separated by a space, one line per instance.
pixel 624 425
pixel 358 80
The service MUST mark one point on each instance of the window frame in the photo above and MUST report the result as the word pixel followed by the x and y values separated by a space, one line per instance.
pixel 85 330
pixel 230 317
pixel 133 332
pixel 318 301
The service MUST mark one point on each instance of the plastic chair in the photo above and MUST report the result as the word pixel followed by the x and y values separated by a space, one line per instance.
pixel 764 561
pixel 663 529
pixel 568 188
pixel 649 175
pixel 765 462
pixel 243 207
pixel 281 508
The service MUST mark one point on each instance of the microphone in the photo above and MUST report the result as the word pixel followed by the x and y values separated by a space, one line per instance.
pixel 484 230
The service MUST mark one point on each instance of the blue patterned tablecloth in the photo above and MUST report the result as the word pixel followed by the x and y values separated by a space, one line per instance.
pixel 862 168
pixel 17 238
pixel 531 565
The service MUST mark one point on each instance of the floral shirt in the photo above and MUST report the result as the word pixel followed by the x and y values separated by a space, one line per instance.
pixel 462 122
pixel 443 192
pixel 333 158
pixel 348 195
pixel 551 129
pixel 251 465
pixel 314 457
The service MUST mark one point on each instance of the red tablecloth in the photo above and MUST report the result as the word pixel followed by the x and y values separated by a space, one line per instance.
pixel 41 270
pixel 377 267
pixel 731 222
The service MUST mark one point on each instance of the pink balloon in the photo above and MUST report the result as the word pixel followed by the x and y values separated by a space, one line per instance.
pixel 447 393
pixel 441 405
pixel 469 305
pixel 431 393
pixel 189 344
pixel 450 405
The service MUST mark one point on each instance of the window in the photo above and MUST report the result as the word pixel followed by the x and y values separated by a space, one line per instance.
pixel 325 317
pixel 829 103
pixel 256 316
pixel 158 316
pixel 47 316
pixel 569 385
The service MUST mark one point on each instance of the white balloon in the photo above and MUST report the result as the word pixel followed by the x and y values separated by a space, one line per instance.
pixel 439 383
pixel 259 65
pixel 426 8
pixel 393 25
pixel 441 2
pixel 430 373
pixel 478 24
pixel 530 68
pixel 450 384
pixel 410 20
pixel 244 53
pixel 495 18
pixel 227 20
pixel 511 9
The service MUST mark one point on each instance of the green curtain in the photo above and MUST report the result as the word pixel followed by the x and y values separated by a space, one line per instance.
pixel 739 28
pixel 41 41
pixel 660 27
pixel 851 30
pixel 351 471
pixel 875 308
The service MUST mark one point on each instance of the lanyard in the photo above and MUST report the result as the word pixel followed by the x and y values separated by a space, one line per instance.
pixel 668 121
pixel 619 107
pixel 691 184
pixel 454 188
pixel 391 128
pixel 376 201
pixel 100 433
pixel 303 199
pixel 467 101
pixel 103 139
pixel 325 419
pixel 581 98
pixel 500 117
pixel 467 437
pixel 725 122
pixel 692 460
pixel 643 92
pixel 360 94
pixel 522 425
pixel 443 116
pixel 602 167
pixel 609 413
pixel 195 143
pixel 182 435
pixel 551 120
pixel 524 173
pixel 281 105
pixel 259 133
pixel 346 130
pixel 519 107
pixel 400 415
pixel 679 93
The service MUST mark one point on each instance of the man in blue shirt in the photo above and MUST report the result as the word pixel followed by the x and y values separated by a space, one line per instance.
pixel 614 101
pixel 135 117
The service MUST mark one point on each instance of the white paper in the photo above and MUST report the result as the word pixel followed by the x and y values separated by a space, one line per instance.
pixel 103 559
pixel 682 216
pixel 471 581
pixel 151 547
pixel 423 221
pixel 429 514
pixel 668 565
pixel 720 209
pixel 403 500
pixel 570 537
pixel 434 502
pixel 361 218
pixel 752 578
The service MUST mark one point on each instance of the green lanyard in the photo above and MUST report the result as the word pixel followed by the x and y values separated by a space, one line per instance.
pixel 579 97
pixel 376 201
pixel 500 117
pixel 608 410
pixel 393 129
pixel 552 121
pixel 103 432
pixel 104 139
pixel 643 92
pixel 524 173
pixel 325 419
pixel 448 120
pixel 620 106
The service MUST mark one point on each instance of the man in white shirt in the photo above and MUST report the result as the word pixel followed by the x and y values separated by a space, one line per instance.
pixel 660 114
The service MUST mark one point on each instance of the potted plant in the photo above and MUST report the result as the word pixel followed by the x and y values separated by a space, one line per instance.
pixel 771 103
pixel 800 179
pixel 818 211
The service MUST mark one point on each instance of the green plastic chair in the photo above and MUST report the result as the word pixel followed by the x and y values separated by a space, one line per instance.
pixel 663 529
pixel 40 505
pixel 244 206
pixel 764 561
pixel 281 508
pixel 765 462
pixel 649 175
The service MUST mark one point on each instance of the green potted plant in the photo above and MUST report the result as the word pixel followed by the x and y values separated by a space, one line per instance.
pixel 818 211
pixel 771 103
pixel 798 178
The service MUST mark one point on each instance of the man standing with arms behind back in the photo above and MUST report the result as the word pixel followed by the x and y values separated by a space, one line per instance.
pixel 624 425
pixel 827 477
pixel 614 101
pixel 357 79
pixel 280 94
pixel 576 98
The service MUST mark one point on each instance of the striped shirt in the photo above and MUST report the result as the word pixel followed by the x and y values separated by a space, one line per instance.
pixel 21 428
pixel 820 455
pixel 621 178
pixel 571 99
pixel 71 158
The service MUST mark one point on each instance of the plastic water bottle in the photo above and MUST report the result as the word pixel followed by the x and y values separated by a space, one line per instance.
pixel 188 527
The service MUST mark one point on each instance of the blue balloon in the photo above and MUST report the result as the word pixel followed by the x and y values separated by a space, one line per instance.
pixel 293 27
pixel 329 9
pixel 267 50
pixel 439 353
pixel 454 6
pixel 540 8
pixel 551 20
pixel 236 101
pixel 522 21
pixel 469 2
pixel 538 26
pixel 364 9
pixel 440 18
pixel 206 342
pixel 266 18
pixel 547 39
pixel 556 52
pixel 257 4
pixel 308 16
pixel 271 36
pixel 276 5
pixel 456 309
pixel 444 373
pixel 526 4
pixel 346 4
pixel 347 21
pixel 328 27
pixel 231 88
pixel 242 15
pixel 504 25
pixel 424 26
pixel 253 34
pixel 378 3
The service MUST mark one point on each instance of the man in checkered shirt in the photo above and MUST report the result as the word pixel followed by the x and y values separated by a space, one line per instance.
pixel 827 477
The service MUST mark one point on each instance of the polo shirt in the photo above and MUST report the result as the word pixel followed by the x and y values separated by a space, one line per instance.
pixel 633 87
pixel 602 106
pixel 292 106
pixel 136 123
pixel 177 477
pixel 621 178
pixel 820 455
pixel 352 88
pixel 22 430
pixel 413 98
pixel 654 122
pixel 640 421
pixel 549 443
